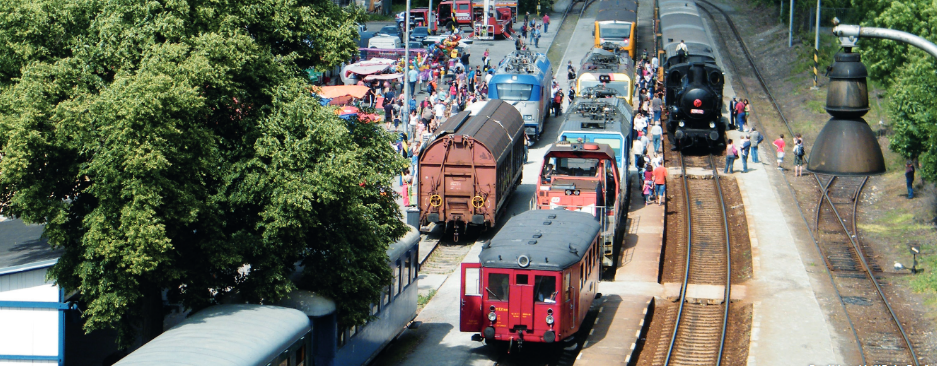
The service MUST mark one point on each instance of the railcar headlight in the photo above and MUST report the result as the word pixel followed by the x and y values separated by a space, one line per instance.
pixel 681 123
pixel 712 124
pixel 549 319
pixel 492 316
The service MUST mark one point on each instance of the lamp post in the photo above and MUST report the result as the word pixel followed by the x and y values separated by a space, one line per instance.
pixel 816 49
pixel 847 145
pixel 790 27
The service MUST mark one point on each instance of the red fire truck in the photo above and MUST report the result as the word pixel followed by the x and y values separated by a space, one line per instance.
pixel 584 177
pixel 460 13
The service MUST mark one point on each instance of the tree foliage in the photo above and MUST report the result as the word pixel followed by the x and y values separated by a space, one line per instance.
pixel 908 73
pixel 173 146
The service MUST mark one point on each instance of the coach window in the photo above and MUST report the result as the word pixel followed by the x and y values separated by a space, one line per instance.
pixel 407 271
pixel 395 290
pixel 498 285
pixel 545 288
pixel 385 296
pixel 567 284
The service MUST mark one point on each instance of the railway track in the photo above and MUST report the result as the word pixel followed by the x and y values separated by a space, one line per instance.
pixel 879 334
pixel 882 339
pixel 698 329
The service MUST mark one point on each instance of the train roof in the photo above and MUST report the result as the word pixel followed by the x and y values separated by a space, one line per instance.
pixel 680 20
pixel 620 10
pixel 582 148
pixel 405 243
pixel 590 115
pixel 495 125
pixel 237 334
pixel 551 239
pixel 524 62
pixel 600 60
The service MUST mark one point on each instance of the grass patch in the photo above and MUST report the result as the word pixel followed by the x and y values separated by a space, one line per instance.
pixel 422 300
pixel 926 282
pixel 816 106
pixel 896 224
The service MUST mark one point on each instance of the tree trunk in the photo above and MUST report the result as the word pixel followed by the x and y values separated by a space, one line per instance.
pixel 152 312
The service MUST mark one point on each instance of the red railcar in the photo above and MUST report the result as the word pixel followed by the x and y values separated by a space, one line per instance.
pixel 584 177
pixel 535 280
pixel 470 169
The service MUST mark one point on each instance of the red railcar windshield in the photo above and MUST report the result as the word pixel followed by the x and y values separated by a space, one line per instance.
pixel 499 285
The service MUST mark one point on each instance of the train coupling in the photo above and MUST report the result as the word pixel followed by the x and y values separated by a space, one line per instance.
pixel 477 337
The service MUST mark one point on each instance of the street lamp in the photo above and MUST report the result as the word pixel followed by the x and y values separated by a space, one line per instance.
pixel 847 145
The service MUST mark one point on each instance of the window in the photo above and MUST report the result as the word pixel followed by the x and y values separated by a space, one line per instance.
pixel 576 167
pixel 407 272
pixel 498 286
pixel 385 295
pixel 471 282
pixel 375 308
pixel 621 31
pixel 514 91
pixel 520 279
pixel 567 285
pixel 301 355
pixel 545 289
pixel 463 6
pixel 395 286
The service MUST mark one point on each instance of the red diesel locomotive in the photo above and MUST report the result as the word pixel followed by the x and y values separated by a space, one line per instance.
pixel 584 177
pixel 535 280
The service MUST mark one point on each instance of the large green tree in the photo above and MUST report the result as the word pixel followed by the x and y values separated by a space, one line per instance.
pixel 172 145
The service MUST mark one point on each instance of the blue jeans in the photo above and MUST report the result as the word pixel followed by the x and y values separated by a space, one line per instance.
pixel 656 142
pixel 656 116
pixel 660 190
pixel 755 154
pixel 730 168
pixel 744 163
pixel 412 87
pixel 910 184
pixel 740 121
pixel 546 26
pixel 537 42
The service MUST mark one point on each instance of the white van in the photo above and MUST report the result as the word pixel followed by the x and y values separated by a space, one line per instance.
pixel 385 42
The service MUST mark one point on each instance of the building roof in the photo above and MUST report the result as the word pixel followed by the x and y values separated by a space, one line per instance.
pixel 495 125
pixel 550 239
pixel 237 334
pixel 22 247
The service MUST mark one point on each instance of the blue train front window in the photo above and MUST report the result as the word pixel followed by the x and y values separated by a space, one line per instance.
pixel 514 92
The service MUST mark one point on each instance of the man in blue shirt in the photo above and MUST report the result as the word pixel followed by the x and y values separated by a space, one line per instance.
pixel 471 80
pixel 412 76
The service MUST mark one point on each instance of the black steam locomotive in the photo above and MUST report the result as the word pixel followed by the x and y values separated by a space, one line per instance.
pixel 692 78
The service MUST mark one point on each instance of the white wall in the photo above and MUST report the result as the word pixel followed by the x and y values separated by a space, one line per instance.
pixel 28 331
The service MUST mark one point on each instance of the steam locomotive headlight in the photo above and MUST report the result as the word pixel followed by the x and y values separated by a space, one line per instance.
pixel 712 124
pixel 549 319
pixel 492 316
pixel 681 123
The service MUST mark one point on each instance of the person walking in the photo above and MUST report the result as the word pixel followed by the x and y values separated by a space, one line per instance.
pixel 524 30
pixel 732 105
pixel 570 72
pixel 746 148
pixel 799 152
pixel 558 103
pixel 405 187
pixel 909 178
pixel 638 150
pixel 527 18
pixel 756 139
pixel 656 105
pixel 660 183
pixel 537 37
pixel 748 110
pixel 546 22
pixel 657 133
pixel 779 146
pixel 571 94
pixel 731 154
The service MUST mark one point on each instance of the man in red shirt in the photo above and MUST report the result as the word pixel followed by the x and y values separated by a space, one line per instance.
pixel 546 22
pixel 779 145
pixel 660 182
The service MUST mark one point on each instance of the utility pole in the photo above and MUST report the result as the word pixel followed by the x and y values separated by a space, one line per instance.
pixel 790 29
pixel 406 67
pixel 816 49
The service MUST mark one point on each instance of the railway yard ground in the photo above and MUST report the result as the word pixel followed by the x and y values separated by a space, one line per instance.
pixel 784 310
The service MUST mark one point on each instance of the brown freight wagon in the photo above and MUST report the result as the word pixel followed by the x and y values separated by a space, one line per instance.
pixel 468 171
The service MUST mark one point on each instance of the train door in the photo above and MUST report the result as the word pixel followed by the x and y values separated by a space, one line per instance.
pixel 471 310
pixel 522 303
pixel 571 296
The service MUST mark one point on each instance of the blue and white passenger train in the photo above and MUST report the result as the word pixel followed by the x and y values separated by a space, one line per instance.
pixel 301 331
pixel 523 79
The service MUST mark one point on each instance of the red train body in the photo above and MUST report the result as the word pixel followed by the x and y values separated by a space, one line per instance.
pixel 584 177
pixel 470 169
pixel 535 280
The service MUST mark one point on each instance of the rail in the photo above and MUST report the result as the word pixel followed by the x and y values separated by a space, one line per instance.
pixel 689 249
pixel 786 122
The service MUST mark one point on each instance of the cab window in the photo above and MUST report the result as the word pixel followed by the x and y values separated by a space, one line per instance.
pixel 545 289
pixel 498 286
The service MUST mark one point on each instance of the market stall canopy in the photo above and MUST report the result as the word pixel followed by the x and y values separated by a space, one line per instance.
pixel 383 77
pixel 366 69
pixel 330 92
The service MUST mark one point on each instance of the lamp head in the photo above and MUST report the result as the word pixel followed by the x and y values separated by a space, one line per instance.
pixel 898 266
pixel 846 145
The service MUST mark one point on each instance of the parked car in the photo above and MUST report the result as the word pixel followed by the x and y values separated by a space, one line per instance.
pixel 363 38
pixel 391 31
pixel 419 33
pixel 401 17
pixel 415 45
pixel 385 41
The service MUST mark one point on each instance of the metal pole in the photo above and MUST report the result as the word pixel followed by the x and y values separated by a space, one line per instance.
pixel 895 35
pixel 781 10
pixel 406 67
pixel 790 28
pixel 816 49
pixel 429 22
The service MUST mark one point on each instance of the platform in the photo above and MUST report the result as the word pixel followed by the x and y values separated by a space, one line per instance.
pixel 616 331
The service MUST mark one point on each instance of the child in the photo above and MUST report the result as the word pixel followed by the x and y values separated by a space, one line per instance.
pixel 646 192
